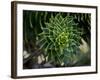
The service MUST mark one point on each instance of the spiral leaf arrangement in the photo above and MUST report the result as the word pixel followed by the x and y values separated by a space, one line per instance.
pixel 59 39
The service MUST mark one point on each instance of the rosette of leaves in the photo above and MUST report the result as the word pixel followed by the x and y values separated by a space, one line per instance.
pixel 60 40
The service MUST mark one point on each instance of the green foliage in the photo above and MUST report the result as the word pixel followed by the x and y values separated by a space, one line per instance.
pixel 59 39
pixel 57 35
pixel 84 22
